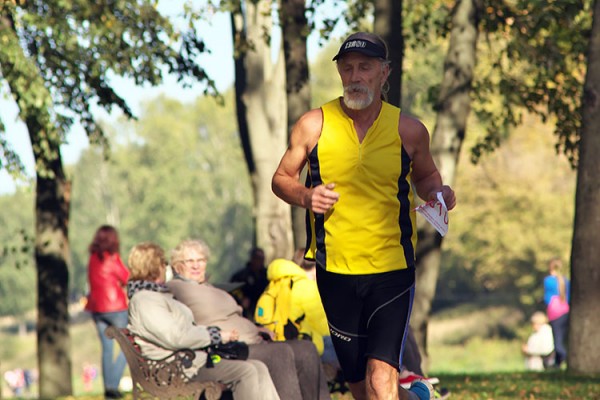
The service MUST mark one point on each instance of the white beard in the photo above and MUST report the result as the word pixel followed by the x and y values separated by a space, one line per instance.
pixel 358 97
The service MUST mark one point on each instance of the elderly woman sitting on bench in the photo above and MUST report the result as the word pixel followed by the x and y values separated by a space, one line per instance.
pixel 162 325
pixel 294 365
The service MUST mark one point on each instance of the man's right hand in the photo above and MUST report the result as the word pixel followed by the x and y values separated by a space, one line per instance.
pixel 321 198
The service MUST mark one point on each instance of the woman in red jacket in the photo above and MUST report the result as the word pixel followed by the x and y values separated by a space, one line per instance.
pixel 107 301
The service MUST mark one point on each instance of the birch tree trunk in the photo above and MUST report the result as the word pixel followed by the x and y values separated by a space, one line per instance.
pixel 453 107
pixel 261 113
pixel 294 26
pixel 388 25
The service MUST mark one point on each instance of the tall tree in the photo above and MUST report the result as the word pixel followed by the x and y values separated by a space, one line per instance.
pixel 535 64
pixel 52 209
pixel 388 24
pixel 57 58
pixel 294 32
pixel 540 68
pixel 452 109
pixel 584 352
pixel 261 113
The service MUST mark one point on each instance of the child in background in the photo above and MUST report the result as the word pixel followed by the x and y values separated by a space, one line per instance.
pixel 539 349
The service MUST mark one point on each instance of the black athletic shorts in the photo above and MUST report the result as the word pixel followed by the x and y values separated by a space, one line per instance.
pixel 368 317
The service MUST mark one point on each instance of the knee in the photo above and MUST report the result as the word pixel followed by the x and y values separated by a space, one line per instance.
pixel 251 375
pixel 379 380
pixel 261 375
pixel 382 379
pixel 286 351
pixel 286 357
pixel 261 368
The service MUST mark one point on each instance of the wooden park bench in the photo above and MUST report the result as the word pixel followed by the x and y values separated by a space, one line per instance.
pixel 165 378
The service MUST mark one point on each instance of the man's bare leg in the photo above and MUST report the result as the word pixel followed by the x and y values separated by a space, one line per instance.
pixel 358 390
pixel 381 384
pixel 382 381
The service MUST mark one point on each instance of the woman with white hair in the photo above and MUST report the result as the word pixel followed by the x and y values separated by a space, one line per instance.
pixel 161 325
pixel 294 365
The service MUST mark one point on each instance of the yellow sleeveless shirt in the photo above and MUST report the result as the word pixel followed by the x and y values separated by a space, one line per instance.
pixel 372 227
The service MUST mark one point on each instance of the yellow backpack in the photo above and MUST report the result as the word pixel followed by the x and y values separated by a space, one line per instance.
pixel 273 309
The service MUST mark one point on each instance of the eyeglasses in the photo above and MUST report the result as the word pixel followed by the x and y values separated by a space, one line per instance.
pixel 195 261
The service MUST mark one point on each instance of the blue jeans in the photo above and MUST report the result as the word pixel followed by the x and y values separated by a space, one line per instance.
pixel 112 369
pixel 560 328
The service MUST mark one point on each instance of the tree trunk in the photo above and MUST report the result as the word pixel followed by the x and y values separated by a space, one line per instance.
pixel 388 25
pixel 584 337
pixel 294 26
pixel 261 113
pixel 52 215
pixel 51 256
pixel 452 108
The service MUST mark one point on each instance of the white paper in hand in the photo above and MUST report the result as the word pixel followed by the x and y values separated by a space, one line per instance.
pixel 436 213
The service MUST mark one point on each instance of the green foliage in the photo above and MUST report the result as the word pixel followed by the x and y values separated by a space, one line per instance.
pixel 17 271
pixel 425 21
pixel 515 212
pixel 537 53
pixel 9 159
pixel 75 46
pixel 325 81
pixel 177 173
pixel 420 71
pixel 17 288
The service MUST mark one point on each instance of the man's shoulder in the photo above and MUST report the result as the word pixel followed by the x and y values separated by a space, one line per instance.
pixel 311 120
pixel 411 124
pixel 413 132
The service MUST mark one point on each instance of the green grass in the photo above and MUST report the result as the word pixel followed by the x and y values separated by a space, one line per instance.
pixel 503 386
pixel 476 355
pixel 522 386
pixel 527 385
pixel 466 354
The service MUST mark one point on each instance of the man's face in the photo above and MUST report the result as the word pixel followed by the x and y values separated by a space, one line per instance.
pixel 362 78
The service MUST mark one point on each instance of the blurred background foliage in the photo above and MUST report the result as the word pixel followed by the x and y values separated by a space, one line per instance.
pixel 178 172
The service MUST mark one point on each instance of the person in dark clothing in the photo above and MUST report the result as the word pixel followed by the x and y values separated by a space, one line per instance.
pixel 254 277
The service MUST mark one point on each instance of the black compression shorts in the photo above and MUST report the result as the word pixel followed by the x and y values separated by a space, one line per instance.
pixel 368 317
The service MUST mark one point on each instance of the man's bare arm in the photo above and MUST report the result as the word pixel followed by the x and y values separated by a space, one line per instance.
pixel 425 175
pixel 285 183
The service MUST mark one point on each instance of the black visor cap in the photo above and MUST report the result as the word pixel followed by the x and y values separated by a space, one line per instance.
pixel 361 46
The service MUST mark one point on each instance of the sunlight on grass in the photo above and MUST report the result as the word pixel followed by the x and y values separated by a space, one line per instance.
pixel 477 355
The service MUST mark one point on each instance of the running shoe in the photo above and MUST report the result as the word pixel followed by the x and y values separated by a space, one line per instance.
pixel 423 389
pixel 411 377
